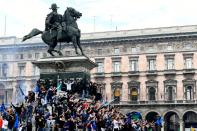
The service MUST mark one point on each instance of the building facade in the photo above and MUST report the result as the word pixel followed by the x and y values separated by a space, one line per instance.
pixel 151 71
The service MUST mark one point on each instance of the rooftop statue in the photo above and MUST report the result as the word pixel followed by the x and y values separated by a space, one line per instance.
pixel 59 28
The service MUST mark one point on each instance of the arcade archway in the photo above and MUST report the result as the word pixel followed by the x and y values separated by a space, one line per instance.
pixel 2 93
pixel 171 120
pixel 154 121
pixel 190 120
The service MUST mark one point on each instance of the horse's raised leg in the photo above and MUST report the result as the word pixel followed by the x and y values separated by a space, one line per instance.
pixel 74 41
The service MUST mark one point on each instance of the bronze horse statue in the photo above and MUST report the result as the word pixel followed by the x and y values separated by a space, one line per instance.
pixel 67 32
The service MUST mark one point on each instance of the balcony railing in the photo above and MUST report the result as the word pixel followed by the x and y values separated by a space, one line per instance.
pixel 133 73
pixel 189 71
pixel 151 73
pixel 100 74
pixel 160 102
pixel 115 74
pixel 170 72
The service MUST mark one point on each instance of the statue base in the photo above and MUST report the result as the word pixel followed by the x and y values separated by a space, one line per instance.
pixel 64 67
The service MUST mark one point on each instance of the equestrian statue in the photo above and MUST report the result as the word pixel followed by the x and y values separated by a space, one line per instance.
pixel 59 28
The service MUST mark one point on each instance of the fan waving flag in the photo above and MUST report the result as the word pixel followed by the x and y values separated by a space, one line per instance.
pixel 21 91
pixel 159 121
pixel 136 116
pixel 36 89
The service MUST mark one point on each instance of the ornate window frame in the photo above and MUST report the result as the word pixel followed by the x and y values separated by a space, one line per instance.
pixel 136 59
pixel 186 56
pixel 154 84
pixel 100 60
pixel 101 86
pixel 167 57
pixel 133 84
pixel 192 83
pixel 170 83
pixel 116 59
pixel 115 85
pixel 151 57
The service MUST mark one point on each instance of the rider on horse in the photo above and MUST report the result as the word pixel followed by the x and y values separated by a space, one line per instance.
pixel 53 20
pixel 59 28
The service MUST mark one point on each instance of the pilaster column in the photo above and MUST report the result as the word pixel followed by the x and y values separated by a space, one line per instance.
pixel 163 124
pixel 181 122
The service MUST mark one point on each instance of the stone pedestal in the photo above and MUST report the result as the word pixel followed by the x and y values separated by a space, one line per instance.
pixel 65 67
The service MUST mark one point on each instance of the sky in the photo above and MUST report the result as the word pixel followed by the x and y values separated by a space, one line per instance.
pixel 22 16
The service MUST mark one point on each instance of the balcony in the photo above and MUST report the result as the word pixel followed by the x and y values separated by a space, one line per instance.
pixel 116 74
pixel 170 72
pixel 190 71
pixel 151 73
pixel 99 75
pixel 133 73
pixel 158 103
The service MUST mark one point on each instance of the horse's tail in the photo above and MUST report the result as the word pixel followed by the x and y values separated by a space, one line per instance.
pixel 33 33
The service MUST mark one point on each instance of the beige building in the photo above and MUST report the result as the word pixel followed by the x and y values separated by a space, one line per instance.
pixel 151 71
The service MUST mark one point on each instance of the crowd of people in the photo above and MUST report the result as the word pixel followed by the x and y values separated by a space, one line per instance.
pixel 70 105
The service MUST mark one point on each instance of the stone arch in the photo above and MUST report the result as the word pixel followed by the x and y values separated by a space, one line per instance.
pixel 188 111
pixel 150 111
pixel 189 119
pixel 134 115
pixel 2 93
pixel 171 120
pixel 175 111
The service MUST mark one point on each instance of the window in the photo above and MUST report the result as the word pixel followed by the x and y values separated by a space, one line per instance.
pixel 170 64
pixel 29 56
pixel 150 48
pixel 117 51
pixel 151 93
pixel 188 46
pixel 134 94
pixel 116 66
pixel 37 55
pixel 169 48
pixel 35 70
pixel 169 61
pixel 16 56
pixel 100 67
pixel 4 70
pixel 133 49
pixel 4 57
pixel 117 94
pixel 99 51
pixel 151 64
pixel 21 69
pixel 188 63
pixel 170 93
pixel 21 56
pixel 189 93
pixel 134 65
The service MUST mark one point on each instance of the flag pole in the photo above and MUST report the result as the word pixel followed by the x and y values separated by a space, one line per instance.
pixel 5 24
